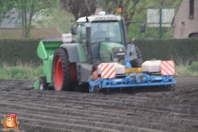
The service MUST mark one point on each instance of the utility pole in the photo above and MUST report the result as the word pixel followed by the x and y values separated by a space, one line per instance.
pixel 160 20
pixel 160 24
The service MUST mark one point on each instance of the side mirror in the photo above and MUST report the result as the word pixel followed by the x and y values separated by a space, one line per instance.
pixel 73 30
pixel 142 28
pixel 129 22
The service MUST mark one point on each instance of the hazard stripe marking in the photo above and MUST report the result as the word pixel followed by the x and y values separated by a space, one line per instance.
pixel 107 70
pixel 167 68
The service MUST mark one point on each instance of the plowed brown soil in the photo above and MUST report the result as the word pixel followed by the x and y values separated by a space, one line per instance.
pixel 143 110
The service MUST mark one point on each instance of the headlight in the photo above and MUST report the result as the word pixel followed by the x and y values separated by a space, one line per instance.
pixel 115 59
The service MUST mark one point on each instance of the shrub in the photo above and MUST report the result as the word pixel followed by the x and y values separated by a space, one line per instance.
pixel 193 67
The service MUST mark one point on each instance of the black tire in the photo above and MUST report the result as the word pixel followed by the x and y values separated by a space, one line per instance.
pixel 43 85
pixel 137 62
pixel 61 70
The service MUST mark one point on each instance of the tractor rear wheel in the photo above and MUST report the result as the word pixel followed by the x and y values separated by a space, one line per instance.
pixel 137 62
pixel 61 70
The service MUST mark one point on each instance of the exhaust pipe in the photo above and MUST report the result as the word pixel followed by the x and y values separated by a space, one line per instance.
pixel 88 42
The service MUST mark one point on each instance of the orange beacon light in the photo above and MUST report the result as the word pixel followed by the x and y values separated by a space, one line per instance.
pixel 119 10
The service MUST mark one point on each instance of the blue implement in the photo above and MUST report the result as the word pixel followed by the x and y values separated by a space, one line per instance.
pixel 131 81
pixel 127 63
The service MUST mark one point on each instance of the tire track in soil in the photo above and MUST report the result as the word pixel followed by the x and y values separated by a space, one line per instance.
pixel 142 111
pixel 80 107
pixel 78 112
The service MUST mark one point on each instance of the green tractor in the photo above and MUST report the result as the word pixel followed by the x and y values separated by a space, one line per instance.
pixel 69 63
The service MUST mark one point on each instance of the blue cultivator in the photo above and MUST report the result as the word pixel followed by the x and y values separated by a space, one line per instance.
pixel 132 80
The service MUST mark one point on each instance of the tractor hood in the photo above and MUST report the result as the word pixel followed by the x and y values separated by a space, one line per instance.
pixel 109 51
pixel 110 45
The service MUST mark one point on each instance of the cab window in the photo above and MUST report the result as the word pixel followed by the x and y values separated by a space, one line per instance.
pixel 106 31
pixel 81 35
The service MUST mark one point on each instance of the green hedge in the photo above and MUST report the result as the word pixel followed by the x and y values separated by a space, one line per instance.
pixel 15 51
pixel 185 49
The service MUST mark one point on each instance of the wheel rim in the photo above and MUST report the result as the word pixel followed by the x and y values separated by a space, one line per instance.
pixel 58 74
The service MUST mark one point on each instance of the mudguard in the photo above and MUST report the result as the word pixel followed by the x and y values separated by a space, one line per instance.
pixel 72 52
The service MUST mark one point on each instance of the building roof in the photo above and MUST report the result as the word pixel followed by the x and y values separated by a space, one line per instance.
pixel 11 19
pixel 35 33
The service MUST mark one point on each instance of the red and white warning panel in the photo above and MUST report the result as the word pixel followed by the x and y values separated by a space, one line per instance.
pixel 107 70
pixel 167 68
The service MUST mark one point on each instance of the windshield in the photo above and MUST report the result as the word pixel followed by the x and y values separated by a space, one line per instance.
pixel 106 31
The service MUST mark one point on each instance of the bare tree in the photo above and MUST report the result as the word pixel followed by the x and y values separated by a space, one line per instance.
pixel 128 7
pixel 79 8
pixel 27 9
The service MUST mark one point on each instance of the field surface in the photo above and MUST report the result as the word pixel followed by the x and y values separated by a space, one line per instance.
pixel 140 110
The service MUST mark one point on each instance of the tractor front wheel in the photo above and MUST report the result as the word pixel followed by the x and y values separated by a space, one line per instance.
pixel 61 70
pixel 137 62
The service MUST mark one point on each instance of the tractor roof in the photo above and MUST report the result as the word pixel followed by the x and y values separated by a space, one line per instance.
pixel 94 18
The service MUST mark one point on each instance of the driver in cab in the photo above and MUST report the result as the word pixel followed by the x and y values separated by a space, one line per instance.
pixel 99 33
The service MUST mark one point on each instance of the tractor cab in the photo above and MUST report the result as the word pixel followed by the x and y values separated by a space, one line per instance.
pixel 106 31
pixel 103 37
pixel 103 28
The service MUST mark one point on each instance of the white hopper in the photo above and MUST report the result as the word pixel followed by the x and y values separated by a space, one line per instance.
pixel 151 66
pixel 67 37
